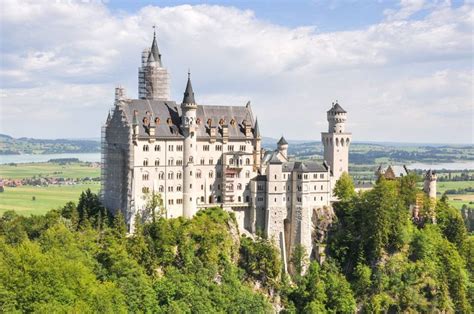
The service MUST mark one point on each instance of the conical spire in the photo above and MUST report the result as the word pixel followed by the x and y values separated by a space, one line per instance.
pixel 189 93
pixel 282 141
pixel 154 52
pixel 256 130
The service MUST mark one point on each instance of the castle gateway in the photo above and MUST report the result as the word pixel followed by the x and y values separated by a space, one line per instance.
pixel 197 156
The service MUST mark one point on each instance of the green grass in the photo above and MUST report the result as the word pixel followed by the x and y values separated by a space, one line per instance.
pixel 72 170
pixel 450 185
pixel 47 198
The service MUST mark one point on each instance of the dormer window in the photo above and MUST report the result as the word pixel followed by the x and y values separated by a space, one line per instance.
pixel 157 121
pixel 221 121
pixel 146 121
pixel 232 122
pixel 209 122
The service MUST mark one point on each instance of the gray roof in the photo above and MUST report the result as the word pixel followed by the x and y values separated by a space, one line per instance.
pixel 337 108
pixel 189 93
pixel 154 52
pixel 282 141
pixel 275 160
pixel 165 110
pixel 256 129
pixel 304 166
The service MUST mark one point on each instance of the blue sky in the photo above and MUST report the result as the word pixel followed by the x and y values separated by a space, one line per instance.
pixel 402 69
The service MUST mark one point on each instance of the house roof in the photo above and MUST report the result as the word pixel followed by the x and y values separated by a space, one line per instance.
pixel 336 108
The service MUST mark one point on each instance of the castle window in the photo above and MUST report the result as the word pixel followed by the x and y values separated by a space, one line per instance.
pixel 157 162
pixel 198 121
pixel 209 122
pixel 170 189
pixel 242 148
pixel 170 148
pixel 161 175
pixel 219 148
pixel 219 161
pixel 321 176
pixel 298 199
pixel 202 199
pixel 337 141
pixel 218 186
pixel 247 199
pixel 161 189
pixel 211 161
pixel 342 142
pixel 145 148
pixel 230 148
pixel 157 121
pixel 145 189
pixel 179 162
pixel 315 188
pixel 247 161
pixel 321 198
pixel 275 189
pixel 247 174
pixel 239 199
pixel 178 188
pixel 205 148
pixel 170 175
pixel 232 122
pixel 299 176
pixel 347 141
pixel 169 121
pixel 179 148
pixel 146 121
pixel 157 148
pixel 179 201
pixel 170 161
pixel 210 186
pixel 306 176
pixel 145 162
pixel 145 176
pixel 191 159
pixel 239 186
pixel 211 174
pixel 259 187
pixel 221 121
pixel 218 174
pixel 170 202
pixel 202 161
pixel 218 199
pixel 202 187
pixel 198 174
pixel 179 175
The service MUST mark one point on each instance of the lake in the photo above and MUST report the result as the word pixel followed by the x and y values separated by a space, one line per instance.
pixel 21 159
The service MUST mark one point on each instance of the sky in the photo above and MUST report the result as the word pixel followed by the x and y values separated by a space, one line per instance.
pixel 403 70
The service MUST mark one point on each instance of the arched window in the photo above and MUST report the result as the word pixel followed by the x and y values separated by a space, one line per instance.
pixel 145 176
pixel 247 199
pixel 211 174
pixel 239 199
pixel 191 159
pixel 161 175
pixel 170 175
pixel 239 186
pixel 170 162
pixel 179 175
pixel 157 148
pixel 247 161
pixel 231 161
pixel 178 188
pixel 202 199
pixel 145 162
pixel 198 174
pixel 337 141
pixel 247 174
pixel 145 189
pixel 161 189
pixel 145 148
pixel 157 162
pixel 347 141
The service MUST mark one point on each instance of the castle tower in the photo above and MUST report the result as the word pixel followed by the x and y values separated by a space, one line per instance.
pixel 429 186
pixel 283 147
pixel 336 141
pixel 188 126
pixel 258 146
pixel 153 78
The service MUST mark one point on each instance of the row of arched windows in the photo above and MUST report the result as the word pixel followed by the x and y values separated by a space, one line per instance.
pixel 342 141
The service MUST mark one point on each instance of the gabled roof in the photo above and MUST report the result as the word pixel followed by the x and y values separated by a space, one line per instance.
pixel 275 160
pixel 282 141
pixel 304 166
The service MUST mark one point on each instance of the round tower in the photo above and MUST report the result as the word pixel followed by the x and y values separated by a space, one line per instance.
pixel 336 142
pixel 429 186
pixel 188 125
pixel 282 146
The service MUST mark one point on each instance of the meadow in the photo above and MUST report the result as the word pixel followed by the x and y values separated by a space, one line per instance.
pixel 21 200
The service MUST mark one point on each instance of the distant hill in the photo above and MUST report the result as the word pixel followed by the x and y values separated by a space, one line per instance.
pixel 24 145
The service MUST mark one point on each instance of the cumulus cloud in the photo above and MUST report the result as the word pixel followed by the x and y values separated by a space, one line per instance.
pixel 402 79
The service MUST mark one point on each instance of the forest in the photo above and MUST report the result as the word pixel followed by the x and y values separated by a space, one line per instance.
pixel 79 258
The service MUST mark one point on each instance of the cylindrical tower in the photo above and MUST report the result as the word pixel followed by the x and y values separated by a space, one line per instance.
pixel 188 125
pixel 283 147
pixel 430 183
pixel 337 119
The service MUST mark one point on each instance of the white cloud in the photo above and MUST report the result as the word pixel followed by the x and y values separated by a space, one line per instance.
pixel 62 60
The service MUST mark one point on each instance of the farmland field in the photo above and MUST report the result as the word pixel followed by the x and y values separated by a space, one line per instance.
pixel 47 169
pixel 21 200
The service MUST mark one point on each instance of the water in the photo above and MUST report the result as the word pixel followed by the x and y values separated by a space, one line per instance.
pixel 440 166
pixel 20 159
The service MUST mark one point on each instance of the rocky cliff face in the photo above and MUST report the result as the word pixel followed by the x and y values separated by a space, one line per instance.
pixel 321 219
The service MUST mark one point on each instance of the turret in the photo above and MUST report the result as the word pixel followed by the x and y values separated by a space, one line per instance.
pixel 283 147
pixel 188 126
pixel 153 78
pixel 429 186
pixel 336 142
pixel 257 154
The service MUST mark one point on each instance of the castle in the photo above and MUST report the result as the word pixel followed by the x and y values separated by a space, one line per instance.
pixel 198 156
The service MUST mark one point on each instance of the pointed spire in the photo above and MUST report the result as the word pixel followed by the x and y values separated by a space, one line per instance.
pixel 282 141
pixel 256 130
pixel 154 52
pixel 189 93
